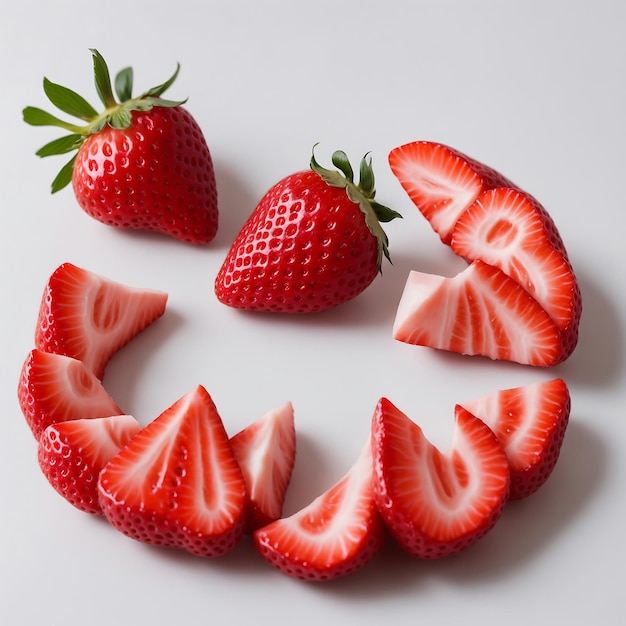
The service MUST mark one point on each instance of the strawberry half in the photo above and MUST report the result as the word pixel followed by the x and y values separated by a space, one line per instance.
pixel 90 317
pixel 313 242
pixel 530 423
pixel 55 388
pixel 177 483
pixel 436 504
pixel 509 229
pixel 265 451
pixel 441 181
pixel 143 163
pixel 480 311
pixel 335 535
pixel 72 454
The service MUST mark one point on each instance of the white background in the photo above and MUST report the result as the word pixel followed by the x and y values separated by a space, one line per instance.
pixel 536 89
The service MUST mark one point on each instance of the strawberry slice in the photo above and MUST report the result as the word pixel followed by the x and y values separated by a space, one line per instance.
pixel 72 454
pixel 177 482
pixel 530 423
pixel 265 451
pixel 511 230
pixel 436 504
pixel 480 311
pixel 335 535
pixel 90 317
pixel 441 181
pixel 54 388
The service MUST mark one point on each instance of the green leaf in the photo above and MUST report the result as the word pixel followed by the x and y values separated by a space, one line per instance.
pixel 124 84
pixel 62 145
pixel 384 213
pixel 68 101
pixel 121 119
pixel 366 178
pixel 159 89
pixel 38 117
pixel 64 177
pixel 340 160
pixel 103 79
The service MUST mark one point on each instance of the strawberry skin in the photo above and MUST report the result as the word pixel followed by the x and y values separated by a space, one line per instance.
pixel 480 311
pixel 157 175
pixel 441 181
pixel 72 454
pixel 266 451
pixel 530 422
pixel 177 483
pixel 434 504
pixel 313 242
pixel 336 534
pixel 509 229
pixel 54 388
pixel 89 317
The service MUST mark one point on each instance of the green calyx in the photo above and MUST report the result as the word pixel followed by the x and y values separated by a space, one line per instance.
pixel 361 193
pixel 116 114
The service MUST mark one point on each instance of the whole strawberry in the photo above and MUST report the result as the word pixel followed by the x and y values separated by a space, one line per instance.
pixel 142 164
pixel 313 242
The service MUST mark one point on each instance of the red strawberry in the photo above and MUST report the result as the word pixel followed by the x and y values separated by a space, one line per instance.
pixel 480 311
pixel 313 242
pixel 335 535
pixel 54 388
pixel 437 504
pixel 90 317
pixel 177 483
pixel 441 181
pixel 265 451
pixel 511 230
pixel 530 423
pixel 72 454
pixel 141 164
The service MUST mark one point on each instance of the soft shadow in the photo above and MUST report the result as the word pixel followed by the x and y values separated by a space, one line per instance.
pixel 598 361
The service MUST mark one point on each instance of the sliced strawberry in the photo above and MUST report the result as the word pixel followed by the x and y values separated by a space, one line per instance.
pixel 436 504
pixel 54 388
pixel 441 181
pixel 72 454
pixel 265 451
pixel 177 482
pixel 480 311
pixel 335 535
pixel 511 230
pixel 530 423
pixel 89 317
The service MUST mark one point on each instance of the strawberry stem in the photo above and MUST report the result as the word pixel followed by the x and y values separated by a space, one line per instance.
pixel 361 193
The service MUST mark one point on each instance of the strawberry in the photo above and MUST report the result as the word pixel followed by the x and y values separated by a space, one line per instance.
pixel 265 451
pixel 54 388
pixel 141 164
pixel 72 454
pixel 480 311
pixel 90 317
pixel 442 181
pixel 335 535
pixel 313 242
pixel 530 423
pixel 177 483
pixel 436 504
pixel 509 229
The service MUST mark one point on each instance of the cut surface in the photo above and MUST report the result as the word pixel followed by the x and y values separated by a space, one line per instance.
pixel 54 388
pixel 265 451
pixel 90 317
pixel 335 535
pixel 437 504
pixel 177 482
pixel 530 422
pixel 480 311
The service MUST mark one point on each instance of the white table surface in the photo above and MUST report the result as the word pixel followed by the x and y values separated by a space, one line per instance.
pixel 536 89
